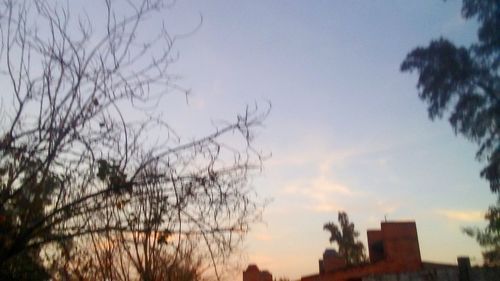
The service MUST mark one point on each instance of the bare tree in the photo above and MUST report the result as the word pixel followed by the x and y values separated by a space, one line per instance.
pixel 84 152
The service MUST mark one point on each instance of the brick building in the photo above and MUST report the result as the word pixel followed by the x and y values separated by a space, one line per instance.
pixel 393 248
pixel 394 254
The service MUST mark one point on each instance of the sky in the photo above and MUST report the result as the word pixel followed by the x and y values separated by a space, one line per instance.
pixel 346 131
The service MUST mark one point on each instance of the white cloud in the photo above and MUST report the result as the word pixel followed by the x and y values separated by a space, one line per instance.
pixel 461 215
pixel 325 207
pixel 320 192
pixel 387 207
pixel 324 185
pixel 319 189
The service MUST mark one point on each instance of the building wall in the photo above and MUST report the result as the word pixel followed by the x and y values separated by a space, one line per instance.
pixel 375 245
pixel 440 274
pixel 424 275
pixel 333 263
pixel 485 273
pixel 400 242
pixel 357 273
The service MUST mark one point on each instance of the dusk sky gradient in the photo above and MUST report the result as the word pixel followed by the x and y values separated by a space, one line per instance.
pixel 347 130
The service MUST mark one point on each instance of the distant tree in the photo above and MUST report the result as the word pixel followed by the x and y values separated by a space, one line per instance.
pixel 489 238
pixel 86 154
pixel 346 236
pixel 149 251
pixel 466 82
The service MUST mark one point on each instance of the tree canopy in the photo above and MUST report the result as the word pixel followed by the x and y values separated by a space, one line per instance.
pixel 346 238
pixel 465 81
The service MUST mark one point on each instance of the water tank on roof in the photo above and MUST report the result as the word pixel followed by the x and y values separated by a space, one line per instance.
pixel 330 253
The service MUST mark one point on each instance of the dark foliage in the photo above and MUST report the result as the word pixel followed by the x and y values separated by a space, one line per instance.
pixel 346 238
pixel 489 238
pixel 465 81
pixel 91 175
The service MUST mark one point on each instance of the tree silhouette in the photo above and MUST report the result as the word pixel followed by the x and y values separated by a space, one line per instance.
pixel 489 238
pixel 346 236
pixel 466 82
pixel 86 154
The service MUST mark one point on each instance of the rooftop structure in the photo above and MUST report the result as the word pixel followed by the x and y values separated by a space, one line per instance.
pixel 252 273
pixel 394 254
pixel 393 248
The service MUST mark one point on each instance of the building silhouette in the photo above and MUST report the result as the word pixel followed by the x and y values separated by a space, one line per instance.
pixel 394 254
pixel 252 273
pixel 393 248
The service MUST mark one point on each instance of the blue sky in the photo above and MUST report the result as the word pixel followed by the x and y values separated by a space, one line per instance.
pixel 347 130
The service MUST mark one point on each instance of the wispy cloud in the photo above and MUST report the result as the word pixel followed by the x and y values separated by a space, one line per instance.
pixel 387 207
pixel 461 215
pixel 315 185
pixel 316 153
pixel 322 191
pixel 318 188
pixel 318 195
pixel 325 207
